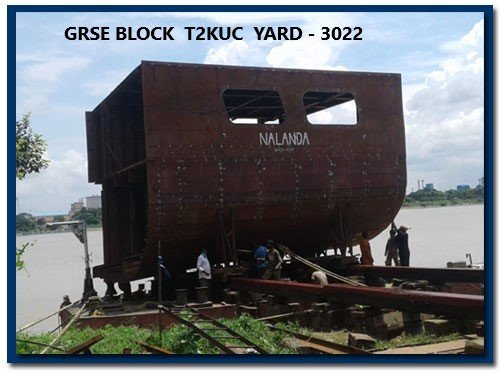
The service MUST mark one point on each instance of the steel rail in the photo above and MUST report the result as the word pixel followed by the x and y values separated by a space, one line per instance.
pixel 450 304
pixel 229 330
pixel 329 347
pixel 470 275
pixel 225 349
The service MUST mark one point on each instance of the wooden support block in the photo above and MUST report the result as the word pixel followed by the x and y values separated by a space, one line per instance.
pixel 85 346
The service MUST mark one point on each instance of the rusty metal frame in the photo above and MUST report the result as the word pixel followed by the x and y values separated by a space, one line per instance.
pixel 164 135
pixel 470 275
pixel 450 304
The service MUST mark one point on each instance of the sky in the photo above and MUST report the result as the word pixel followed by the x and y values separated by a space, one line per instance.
pixel 439 55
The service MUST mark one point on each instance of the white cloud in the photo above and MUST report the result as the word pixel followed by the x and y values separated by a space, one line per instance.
pixel 41 74
pixel 55 188
pixel 290 54
pixel 107 82
pixel 52 68
pixel 300 54
pixel 234 53
pixel 341 114
pixel 472 40
pixel 445 118
pixel 312 52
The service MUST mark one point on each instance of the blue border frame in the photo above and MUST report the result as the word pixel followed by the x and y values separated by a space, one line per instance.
pixel 487 358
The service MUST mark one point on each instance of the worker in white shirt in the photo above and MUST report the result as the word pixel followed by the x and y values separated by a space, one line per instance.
pixel 319 277
pixel 204 270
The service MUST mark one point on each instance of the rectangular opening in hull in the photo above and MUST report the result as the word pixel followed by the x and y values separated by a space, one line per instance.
pixel 330 108
pixel 253 107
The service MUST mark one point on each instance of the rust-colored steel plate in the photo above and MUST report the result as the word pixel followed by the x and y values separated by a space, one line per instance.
pixel 168 156
pixel 470 275
pixel 450 304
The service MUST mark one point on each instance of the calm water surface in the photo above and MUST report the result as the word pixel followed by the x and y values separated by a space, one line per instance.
pixel 55 265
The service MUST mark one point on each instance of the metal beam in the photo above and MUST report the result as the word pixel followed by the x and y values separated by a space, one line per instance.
pixel 449 304
pixel 468 275
pixel 324 346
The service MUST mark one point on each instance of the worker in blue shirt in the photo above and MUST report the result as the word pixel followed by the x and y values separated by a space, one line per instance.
pixel 261 261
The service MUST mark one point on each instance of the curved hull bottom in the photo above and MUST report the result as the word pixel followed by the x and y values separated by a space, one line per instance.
pixel 309 234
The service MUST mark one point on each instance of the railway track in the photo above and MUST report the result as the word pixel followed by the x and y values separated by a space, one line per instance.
pixel 219 335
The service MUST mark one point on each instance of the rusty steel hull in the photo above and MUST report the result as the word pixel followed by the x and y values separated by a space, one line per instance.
pixel 469 275
pixel 168 157
pixel 450 304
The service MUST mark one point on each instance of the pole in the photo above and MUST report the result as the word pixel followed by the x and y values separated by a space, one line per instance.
pixel 42 319
pixel 160 286
pixel 160 289
pixel 88 284
pixel 58 337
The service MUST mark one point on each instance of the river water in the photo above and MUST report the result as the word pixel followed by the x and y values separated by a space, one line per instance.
pixel 55 265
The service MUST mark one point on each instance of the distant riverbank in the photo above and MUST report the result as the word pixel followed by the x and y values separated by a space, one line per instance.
pixel 440 204
pixel 436 198
pixel 56 230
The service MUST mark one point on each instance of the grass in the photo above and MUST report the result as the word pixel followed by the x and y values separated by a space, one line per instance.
pixel 414 340
pixel 341 337
pixel 181 340
pixel 114 341
pixel 178 339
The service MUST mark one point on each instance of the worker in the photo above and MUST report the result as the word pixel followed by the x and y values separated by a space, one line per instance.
pixel 366 252
pixel 261 261
pixel 391 249
pixel 402 242
pixel 163 276
pixel 66 301
pixel 275 261
pixel 204 270
pixel 319 277
pixel 63 316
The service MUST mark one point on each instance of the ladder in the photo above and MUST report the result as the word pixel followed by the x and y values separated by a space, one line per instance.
pixel 219 335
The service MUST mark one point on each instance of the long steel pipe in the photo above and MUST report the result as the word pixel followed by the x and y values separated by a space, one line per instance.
pixel 449 304
pixel 468 275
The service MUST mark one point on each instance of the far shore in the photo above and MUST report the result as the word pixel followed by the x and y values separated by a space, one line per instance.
pixel 443 206
pixel 403 208
pixel 20 234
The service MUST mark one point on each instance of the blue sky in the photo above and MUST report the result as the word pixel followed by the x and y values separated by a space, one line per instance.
pixel 440 57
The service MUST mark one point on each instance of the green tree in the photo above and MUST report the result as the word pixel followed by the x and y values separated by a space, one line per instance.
pixel 91 216
pixel 19 255
pixel 30 147
pixel 24 222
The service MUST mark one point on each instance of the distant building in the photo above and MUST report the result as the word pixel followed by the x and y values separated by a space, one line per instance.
pixel 463 187
pixel 93 202
pixel 429 186
pixel 75 207
pixel 481 181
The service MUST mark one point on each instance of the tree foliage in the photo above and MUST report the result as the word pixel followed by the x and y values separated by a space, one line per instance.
pixel 19 255
pixel 24 222
pixel 30 147
pixel 434 197
pixel 59 218
pixel 91 216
